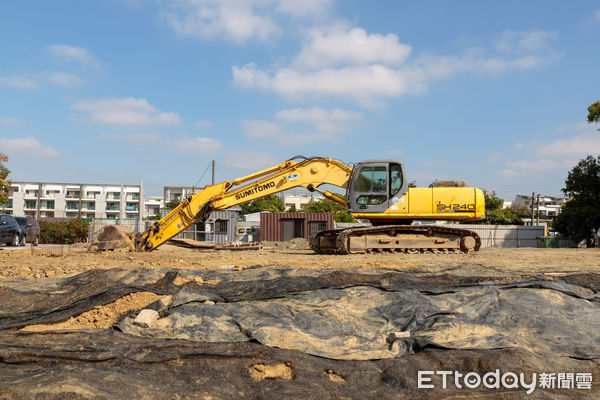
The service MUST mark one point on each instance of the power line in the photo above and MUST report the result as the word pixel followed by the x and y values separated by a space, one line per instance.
pixel 202 176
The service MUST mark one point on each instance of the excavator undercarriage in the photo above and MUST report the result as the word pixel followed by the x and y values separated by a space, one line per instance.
pixel 396 238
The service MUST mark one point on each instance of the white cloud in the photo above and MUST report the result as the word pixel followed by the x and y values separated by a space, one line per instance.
pixel 298 126
pixel 18 81
pixel 72 53
pixel 28 146
pixel 351 47
pixel 304 8
pixel 235 20
pixel 62 79
pixel 343 64
pixel 362 83
pixel 251 160
pixel 201 125
pixel 525 41
pixel 238 20
pixel 576 146
pixel 10 121
pixel 561 153
pixel 125 111
pixel 201 145
pixel 596 15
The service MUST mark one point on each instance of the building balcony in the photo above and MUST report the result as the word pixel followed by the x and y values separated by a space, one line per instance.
pixel 113 210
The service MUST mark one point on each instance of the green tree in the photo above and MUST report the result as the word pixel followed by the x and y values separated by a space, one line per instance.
pixel 496 215
pixel 270 203
pixel 594 112
pixel 520 211
pixel 155 217
pixel 72 231
pixel 580 216
pixel 493 202
pixel 172 204
pixel 4 183
pixel 340 214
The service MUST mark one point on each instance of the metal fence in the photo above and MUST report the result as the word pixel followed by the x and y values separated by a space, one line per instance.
pixel 506 235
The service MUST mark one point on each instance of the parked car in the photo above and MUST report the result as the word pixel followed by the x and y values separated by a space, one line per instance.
pixel 30 230
pixel 10 230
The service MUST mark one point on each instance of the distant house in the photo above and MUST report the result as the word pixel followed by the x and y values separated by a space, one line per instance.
pixel 550 206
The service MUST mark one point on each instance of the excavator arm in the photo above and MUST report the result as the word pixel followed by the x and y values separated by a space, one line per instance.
pixel 299 171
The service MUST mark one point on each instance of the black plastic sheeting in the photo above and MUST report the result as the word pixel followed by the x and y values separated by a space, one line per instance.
pixel 375 331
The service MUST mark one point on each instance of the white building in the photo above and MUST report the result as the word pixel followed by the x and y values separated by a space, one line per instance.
pixel 154 205
pixel 76 200
pixel 298 200
pixel 549 206
pixel 179 192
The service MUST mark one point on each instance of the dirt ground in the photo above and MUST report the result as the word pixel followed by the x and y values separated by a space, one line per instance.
pixel 34 264
pixel 69 260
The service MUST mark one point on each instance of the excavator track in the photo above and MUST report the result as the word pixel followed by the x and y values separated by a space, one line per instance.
pixel 396 238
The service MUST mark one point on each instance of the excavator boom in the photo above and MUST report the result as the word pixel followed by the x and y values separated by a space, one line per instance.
pixel 295 172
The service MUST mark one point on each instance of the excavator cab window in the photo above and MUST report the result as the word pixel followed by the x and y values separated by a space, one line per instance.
pixel 396 179
pixel 374 184
pixel 371 180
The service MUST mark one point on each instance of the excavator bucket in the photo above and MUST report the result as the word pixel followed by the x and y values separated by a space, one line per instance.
pixel 113 237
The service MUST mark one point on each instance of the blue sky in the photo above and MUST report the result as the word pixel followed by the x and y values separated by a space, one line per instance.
pixel 494 93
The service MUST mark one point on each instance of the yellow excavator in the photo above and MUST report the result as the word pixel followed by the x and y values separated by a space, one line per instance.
pixel 376 190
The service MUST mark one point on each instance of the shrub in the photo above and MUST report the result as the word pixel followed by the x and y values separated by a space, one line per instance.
pixel 72 231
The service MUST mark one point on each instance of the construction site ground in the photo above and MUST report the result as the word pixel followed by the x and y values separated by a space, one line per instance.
pixel 67 260
pixel 70 346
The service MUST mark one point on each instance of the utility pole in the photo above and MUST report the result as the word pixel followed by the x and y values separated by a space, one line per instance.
pixel 538 209
pixel 213 172
pixel 532 206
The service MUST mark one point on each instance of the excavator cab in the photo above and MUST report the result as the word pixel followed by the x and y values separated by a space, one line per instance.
pixel 375 185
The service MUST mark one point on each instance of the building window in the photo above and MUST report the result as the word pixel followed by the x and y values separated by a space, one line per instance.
pixel 112 206
pixel 131 207
pixel 9 204
pixel 221 226
pixel 131 216
pixel 30 204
